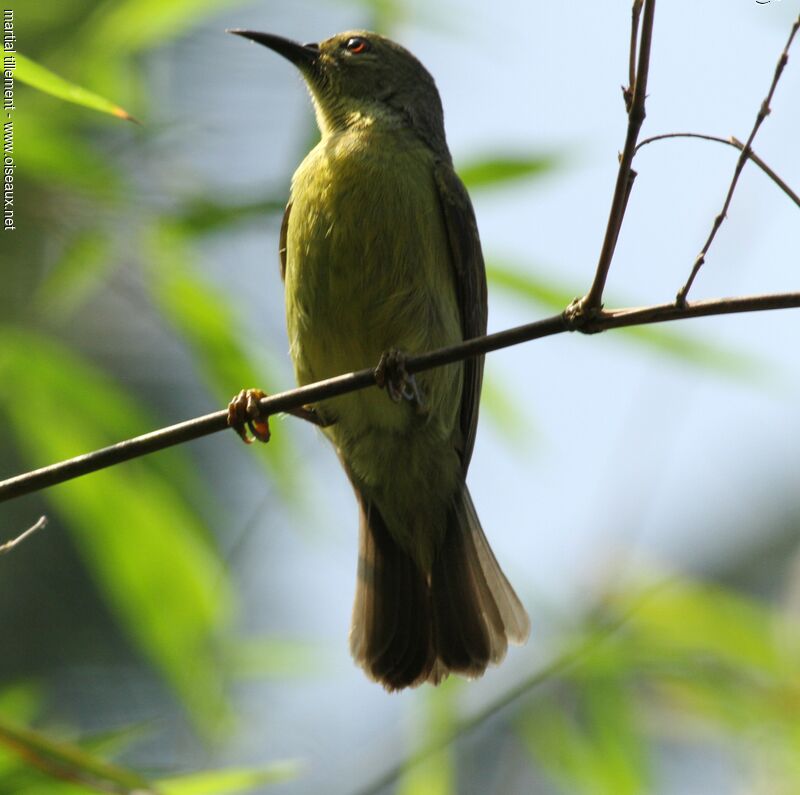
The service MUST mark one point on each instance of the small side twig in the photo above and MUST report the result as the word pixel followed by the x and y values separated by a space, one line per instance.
pixel 9 545
pixel 762 114
pixel 736 144
pixel 593 300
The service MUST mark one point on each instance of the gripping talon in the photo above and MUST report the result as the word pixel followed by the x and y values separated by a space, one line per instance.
pixel 392 375
pixel 244 416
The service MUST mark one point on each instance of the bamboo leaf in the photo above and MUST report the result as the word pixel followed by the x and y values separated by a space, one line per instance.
pixel 489 171
pixel 204 215
pixel 20 702
pixel 436 774
pixel 506 413
pixel 556 296
pixel 592 745
pixel 142 541
pixel 259 657
pixel 76 275
pixel 222 782
pixel 129 26
pixel 207 321
pixel 38 77
pixel 56 154
pixel 68 762
pixel 694 621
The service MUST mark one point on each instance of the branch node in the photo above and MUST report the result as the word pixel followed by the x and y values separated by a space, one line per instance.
pixel 580 316
pixel 627 96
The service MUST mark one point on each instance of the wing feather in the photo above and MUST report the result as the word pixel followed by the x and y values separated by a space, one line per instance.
pixel 470 277
pixel 282 240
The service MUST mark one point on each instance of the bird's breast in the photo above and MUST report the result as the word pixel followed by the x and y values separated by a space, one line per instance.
pixel 368 267
pixel 368 262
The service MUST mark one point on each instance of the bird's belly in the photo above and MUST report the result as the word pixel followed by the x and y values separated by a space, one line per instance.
pixel 368 269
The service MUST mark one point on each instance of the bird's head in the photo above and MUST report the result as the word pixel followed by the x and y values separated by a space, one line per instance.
pixel 362 78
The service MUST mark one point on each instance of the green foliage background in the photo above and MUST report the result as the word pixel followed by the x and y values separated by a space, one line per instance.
pixel 132 557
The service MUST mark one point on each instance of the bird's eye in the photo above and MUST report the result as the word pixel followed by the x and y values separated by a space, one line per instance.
pixel 357 45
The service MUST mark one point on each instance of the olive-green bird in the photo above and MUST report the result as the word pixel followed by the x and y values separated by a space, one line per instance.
pixel 380 252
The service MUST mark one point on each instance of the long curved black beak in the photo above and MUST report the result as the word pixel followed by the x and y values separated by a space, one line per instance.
pixel 301 55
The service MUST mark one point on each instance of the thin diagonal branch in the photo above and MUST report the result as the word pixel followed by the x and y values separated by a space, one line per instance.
pixel 9 545
pixel 350 382
pixel 736 144
pixel 762 114
pixel 625 175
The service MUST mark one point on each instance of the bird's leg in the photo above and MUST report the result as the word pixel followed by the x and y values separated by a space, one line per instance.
pixel 310 414
pixel 244 414
pixel 400 385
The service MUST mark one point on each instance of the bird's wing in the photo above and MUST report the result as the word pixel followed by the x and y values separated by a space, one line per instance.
pixel 282 240
pixel 470 279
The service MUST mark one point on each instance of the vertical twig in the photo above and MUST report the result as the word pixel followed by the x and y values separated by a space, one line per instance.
pixel 627 93
pixel 763 112
pixel 592 301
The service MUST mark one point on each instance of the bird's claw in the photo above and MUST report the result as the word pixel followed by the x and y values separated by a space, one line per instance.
pixel 392 375
pixel 244 416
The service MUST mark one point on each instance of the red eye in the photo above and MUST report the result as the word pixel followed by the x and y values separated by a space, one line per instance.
pixel 357 45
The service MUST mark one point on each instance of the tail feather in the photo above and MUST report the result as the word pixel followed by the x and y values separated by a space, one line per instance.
pixel 411 626
pixel 476 612
pixel 391 630
pixel 513 616
pixel 462 635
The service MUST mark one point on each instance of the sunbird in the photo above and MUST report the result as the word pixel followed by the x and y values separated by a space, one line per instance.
pixel 380 255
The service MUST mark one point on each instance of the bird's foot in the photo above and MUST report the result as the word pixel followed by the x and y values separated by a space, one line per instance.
pixel 310 414
pixel 400 385
pixel 244 416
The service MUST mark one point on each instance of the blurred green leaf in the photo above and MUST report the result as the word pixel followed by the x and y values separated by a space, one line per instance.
pixel 257 657
pixel 587 742
pixel 491 171
pixel 203 215
pixel 385 15
pixel 76 275
pixel 207 321
pixel 123 27
pixel 528 286
pixel 36 76
pixel 688 658
pixel 33 783
pixel 221 782
pixel 692 350
pixel 556 296
pixel 55 153
pixel 506 413
pixel 65 761
pixel 66 767
pixel 703 622
pixel 435 774
pixel 20 702
pixel 112 742
pixel 143 543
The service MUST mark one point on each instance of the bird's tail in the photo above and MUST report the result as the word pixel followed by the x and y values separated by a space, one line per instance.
pixel 411 626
